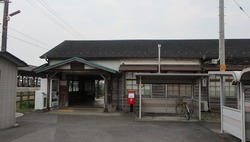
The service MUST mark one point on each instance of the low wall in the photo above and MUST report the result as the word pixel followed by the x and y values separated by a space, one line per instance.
pixel 160 105
pixel 232 119
pixel 195 106
pixel 27 89
pixel 247 116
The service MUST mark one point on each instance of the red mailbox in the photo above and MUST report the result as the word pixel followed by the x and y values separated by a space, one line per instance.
pixel 131 97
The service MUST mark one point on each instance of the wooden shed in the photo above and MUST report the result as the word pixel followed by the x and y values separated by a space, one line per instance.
pixel 8 79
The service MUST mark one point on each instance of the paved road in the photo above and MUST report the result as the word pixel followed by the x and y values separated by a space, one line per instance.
pixel 45 127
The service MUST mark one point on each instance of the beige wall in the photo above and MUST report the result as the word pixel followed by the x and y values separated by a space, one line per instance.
pixel 115 64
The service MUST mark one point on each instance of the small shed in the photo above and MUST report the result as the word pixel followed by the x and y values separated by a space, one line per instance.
pixel 8 80
pixel 167 105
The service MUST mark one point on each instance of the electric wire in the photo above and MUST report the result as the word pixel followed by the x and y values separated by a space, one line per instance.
pixel 28 42
pixel 50 9
pixel 51 18
pixel 241 8
pixel 30 37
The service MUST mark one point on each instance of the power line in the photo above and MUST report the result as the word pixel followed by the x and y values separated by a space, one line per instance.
pixel 59 17
pixel 241 8
pixel 51 18
pixel 28 42
pixel 30 37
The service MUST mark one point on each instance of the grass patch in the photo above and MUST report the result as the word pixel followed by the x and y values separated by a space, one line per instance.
pixel 25 106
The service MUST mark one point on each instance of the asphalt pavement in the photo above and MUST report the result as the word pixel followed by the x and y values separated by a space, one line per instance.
pixel 57 127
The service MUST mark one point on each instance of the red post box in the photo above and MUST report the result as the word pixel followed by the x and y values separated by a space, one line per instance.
pixel 131 97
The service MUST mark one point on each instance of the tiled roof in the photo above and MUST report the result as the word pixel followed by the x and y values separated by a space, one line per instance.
pixel 200 48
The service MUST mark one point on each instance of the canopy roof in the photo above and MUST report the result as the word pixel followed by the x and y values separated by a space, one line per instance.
pixel 168 78
pixel 73 59
pixel 238 76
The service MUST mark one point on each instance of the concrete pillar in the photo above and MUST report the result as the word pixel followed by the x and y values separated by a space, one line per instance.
pixel 105 94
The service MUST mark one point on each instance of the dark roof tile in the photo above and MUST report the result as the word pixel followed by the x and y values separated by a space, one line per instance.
pixel 201 48
pixel 13 59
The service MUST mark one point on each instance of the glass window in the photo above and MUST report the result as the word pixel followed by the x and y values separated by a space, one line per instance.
pixel 214 86
pixel 179 90
pixel 73 86
pixel 70 86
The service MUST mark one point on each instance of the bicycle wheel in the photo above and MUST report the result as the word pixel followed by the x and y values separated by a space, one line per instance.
pixel 187 115
pixel 180 110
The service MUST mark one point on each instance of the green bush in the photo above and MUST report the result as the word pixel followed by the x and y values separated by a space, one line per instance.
pixel 25 106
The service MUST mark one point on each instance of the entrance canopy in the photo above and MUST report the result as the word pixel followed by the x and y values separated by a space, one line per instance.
pixel 70 64
pixel 168 78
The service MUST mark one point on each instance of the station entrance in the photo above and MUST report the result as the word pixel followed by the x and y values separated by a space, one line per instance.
pixel 85 91
pixel 75 82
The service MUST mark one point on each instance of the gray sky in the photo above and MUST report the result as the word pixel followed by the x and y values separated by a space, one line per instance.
pixel 118 19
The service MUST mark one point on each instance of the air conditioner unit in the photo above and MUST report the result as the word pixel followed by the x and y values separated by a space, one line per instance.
pixel 204 106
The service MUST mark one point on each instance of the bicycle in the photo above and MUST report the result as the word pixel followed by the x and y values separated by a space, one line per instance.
pixel 183 110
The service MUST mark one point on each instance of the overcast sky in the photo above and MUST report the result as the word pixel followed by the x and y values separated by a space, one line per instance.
pixel 36 29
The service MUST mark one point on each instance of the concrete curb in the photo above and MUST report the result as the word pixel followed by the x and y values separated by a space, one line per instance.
pixel 18 114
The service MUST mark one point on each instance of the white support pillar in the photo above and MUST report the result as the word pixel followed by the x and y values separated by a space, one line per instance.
pixel 106 96
pixel 105 93
pixel 222 89
pixel 48 92
pixel 140 99
pixel 238 94
pixel 199 99
pixel 243 125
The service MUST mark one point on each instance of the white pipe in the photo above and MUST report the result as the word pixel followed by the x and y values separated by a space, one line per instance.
pixel 159 58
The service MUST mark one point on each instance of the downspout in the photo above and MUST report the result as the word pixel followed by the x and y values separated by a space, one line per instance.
pixel 140 103
pixel 124 87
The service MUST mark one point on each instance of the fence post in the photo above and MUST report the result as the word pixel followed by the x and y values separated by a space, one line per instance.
pixel 28 98
pixel 21 100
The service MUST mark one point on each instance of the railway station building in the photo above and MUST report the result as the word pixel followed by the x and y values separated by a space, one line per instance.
pixel 75 67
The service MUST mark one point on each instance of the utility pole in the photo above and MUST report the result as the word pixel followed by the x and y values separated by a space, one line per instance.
pixel 222 37
pixel 5 24
pixel 222 58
